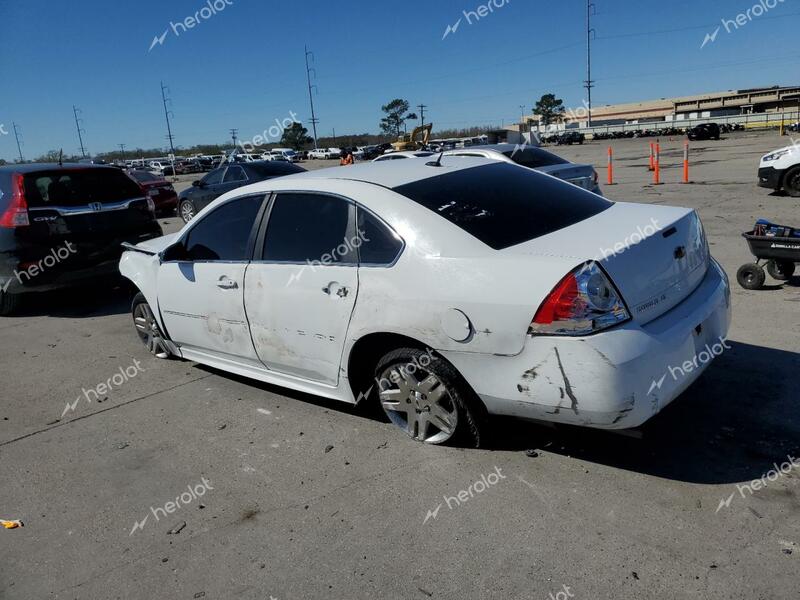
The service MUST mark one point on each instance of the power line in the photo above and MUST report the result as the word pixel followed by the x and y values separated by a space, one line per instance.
pixel 75 112
pixel 19 145
pixel 314 119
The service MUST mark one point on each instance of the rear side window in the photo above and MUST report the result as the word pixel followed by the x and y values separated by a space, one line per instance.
pixel 274 169
pixel 145 176
pixel 224 233
pixel 533 158
pixel 503 205
pixel 310 228
pixel 378 244
pixel 78 187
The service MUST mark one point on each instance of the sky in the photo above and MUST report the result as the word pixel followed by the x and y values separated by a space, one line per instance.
pixel 243 65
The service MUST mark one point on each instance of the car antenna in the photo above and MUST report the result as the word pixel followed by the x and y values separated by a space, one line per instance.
pixel 61 157
pixel 437 162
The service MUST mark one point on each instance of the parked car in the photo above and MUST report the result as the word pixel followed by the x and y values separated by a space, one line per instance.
pixel 156 166
pixel 325 153
pixel 441 292
pixel 286 154
pixel 159 189
pixel 403 154
pixel 780 170
pixel 704 131
pixel 570 137
pixel 228 177
pixel 534 157
pixel 63 225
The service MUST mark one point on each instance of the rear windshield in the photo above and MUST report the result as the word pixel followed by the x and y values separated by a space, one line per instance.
pixel 77 187
pixel 533 158
pixel 274 169
pixel 145 176
pixel 503 205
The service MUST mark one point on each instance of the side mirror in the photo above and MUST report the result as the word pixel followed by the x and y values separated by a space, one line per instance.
pixel 197 183
pixel 176 251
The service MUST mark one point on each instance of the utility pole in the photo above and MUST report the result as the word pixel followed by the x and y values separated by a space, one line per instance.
pixel 522 118
pixel 334 137
pixel 122 148
pixel 75 112
pixel 314 119
pixel 234 132
pixel 421 108
pixel 167 113
pixel 589 83
pixel 19 146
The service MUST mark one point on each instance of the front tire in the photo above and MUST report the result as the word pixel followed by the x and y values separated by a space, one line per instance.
pixel 147 327
pixel 186 210
pixel 791 182
pixel 751 276
pixel 425 396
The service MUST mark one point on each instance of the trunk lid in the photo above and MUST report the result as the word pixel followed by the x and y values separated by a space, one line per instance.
pixel 655 255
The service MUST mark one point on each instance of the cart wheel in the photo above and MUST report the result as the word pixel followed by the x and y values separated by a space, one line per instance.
pixel 780 269
pixel 751 276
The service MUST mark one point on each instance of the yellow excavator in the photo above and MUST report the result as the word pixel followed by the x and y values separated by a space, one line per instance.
pixel 408 141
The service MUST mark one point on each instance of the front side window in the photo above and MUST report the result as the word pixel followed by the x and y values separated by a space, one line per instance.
pixel 224 233
pixel 310 228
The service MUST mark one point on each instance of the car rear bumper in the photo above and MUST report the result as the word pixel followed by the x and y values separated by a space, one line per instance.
pixel 770 177
pixel 40 269
pixel 616 379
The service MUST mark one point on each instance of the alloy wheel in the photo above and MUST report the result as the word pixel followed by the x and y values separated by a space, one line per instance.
pixel 187 211
pixel 419 403
pixel 148 330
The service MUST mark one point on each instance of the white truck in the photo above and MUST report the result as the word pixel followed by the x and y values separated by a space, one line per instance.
pixel 780 170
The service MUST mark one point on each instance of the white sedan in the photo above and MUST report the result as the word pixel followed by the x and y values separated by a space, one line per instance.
pixel 445 290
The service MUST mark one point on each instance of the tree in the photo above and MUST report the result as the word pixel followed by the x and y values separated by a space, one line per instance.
pixel 396 116
pixel 549 108
pixel 295 136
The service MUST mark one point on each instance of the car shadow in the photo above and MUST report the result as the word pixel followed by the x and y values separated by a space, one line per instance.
pixel 741 416
pixel 100 299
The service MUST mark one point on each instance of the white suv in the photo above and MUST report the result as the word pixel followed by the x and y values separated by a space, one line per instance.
pixel 780 170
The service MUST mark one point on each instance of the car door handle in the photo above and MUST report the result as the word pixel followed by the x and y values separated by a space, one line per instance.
pixel 336 288
pixel 226 283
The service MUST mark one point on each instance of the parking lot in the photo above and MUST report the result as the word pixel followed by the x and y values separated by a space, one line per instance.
pixel 145 478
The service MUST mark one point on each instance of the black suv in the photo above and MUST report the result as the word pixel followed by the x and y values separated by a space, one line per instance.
pixel 705 131
pixel 570 137
pixel 227 177
pixel 63 224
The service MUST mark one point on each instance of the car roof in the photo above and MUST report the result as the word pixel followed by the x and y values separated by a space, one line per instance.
pixel 394 173
pixel 33 167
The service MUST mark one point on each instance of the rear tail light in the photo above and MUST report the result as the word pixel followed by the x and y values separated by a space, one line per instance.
pixel 582 303
pixel 151 205
pixel 16 215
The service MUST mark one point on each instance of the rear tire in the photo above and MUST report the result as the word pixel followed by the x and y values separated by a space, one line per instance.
pixel 782 270
pixel 751 276
pixel 791 182
pixel 9 303
pixel 431 404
